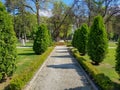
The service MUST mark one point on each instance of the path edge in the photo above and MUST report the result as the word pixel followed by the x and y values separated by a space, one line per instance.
pixel 88 78
pixel 28 85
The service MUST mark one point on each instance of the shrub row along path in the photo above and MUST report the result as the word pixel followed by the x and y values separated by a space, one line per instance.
pixel 59 72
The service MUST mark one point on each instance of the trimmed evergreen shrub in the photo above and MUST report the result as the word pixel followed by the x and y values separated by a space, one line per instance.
pixel 7 44
pixel 117 67
pixel 74 40
pixel 41 41
pixel 82 39
pixel 97 41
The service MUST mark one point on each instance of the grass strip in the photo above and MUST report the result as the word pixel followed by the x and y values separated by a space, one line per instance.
pixel 19 81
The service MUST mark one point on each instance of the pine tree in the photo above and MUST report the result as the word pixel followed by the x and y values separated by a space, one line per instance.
pixel 41 41
pixel 97 41
pixel 7 44
pixel 82 39
pixel 117 67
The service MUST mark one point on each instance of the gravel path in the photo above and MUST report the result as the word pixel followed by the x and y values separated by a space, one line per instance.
pixel 59 72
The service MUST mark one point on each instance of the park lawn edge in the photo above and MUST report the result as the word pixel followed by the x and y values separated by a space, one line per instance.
pixel 18 82
pixel 103 82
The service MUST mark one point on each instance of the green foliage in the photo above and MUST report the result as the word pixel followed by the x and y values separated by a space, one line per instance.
pixel 7 44
pixel 97 41
pixel 82 39
pixel 20 80
pixel 103 81
pixel 75 38
pixel 42 40
pixel 49 39
pixel 117 67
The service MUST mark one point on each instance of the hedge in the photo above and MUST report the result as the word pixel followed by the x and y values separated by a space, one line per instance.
pixel 19 81
pixel 99 78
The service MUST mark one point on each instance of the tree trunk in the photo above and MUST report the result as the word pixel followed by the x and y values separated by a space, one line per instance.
pixel 38 8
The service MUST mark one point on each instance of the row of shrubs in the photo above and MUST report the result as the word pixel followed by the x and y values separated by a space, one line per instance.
pixel 19 81
pixel 100 79
pixel 92 41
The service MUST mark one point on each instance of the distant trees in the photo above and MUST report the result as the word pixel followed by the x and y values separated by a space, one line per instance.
pixel 60 22
pixel 97 41
pixel 7 44
pixel 42 40
pixel 23 20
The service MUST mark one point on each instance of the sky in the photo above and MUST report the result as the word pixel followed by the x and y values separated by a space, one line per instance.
pixel 48 13
pixel 68 2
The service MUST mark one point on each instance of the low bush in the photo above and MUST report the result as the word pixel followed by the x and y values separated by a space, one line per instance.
pixel 19 81
pixel 100 79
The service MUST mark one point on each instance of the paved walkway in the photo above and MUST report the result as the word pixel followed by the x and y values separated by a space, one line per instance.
pixel 60 72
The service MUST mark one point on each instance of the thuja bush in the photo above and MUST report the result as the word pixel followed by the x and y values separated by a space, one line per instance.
pixel 41 41
pixel 7 44
pixel 117 67
pixel 74 40
pixel 82 39
pixel 97 41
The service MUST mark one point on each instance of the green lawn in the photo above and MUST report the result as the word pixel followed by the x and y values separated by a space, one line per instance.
pixel 112 44
pixel 25 57
pixel 27 44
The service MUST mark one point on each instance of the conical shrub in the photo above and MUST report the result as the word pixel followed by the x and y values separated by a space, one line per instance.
pixel 74 40
pixel 82 39
pixel 97 41
pixel 41 41
pixel 7 44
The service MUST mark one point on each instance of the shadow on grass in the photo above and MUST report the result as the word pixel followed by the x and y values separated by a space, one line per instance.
pixel 26 54
pixel 28 50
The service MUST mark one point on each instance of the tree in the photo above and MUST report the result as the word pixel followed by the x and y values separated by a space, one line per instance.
pixel 97 41
pixel 117 67
pixel 60 20
pixel 7 44
pixel 82 39
pixel 41 41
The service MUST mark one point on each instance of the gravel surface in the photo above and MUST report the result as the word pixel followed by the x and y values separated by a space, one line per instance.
pixel 59 72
